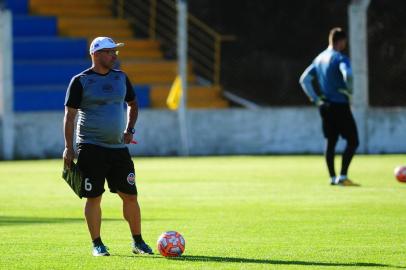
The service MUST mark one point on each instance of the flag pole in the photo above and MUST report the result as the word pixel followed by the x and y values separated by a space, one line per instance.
pixel 6 85
pixel 182 71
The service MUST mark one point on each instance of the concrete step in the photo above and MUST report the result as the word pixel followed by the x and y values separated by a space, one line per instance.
pixel 151 67
pixel 66 2
pixel 198 96
pixel 158 78
pixel 134 43
pixel 137 44
pixel 92 22
pixel 91 33
pixel 35 5
pixel 71 12
pixel 126 53
pixel 140 49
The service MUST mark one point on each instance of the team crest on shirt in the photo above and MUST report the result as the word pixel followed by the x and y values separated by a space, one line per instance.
pixel 131 179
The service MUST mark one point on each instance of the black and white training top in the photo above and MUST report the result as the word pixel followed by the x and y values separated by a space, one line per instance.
pixel 100 99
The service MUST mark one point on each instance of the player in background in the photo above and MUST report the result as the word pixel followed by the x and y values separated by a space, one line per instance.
pixel 332 70
pixel 98 94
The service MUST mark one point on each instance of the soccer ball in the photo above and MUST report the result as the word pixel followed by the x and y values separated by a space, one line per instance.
pixel 400 173
pixel 171 244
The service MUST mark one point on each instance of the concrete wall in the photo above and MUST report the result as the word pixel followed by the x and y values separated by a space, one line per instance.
pixel 219 132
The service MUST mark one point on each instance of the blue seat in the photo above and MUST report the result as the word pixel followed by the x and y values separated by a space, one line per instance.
pixel 52 97
pixel 49 48
pixel 17 6
pixel 39 98
pixel 143 95
pixel 34 26
pixel 47 72
pixel 44 63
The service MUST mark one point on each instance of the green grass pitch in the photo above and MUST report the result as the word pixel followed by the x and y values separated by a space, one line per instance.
pixel 267 212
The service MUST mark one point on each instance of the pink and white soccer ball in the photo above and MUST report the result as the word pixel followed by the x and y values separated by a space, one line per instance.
pixel 400 173
pixel 171 244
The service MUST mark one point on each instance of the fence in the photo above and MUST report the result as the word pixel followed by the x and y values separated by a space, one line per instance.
pixel 156 19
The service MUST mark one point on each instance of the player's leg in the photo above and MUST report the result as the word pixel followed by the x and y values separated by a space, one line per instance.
pixel 329 155
pixel 350 134
pixel 92 164
pixel 131 212
pixel 327 113
pixel 93 216
pixel 349 152
pixel 121 180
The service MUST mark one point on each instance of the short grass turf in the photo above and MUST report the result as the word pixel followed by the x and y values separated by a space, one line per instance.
pixel 266 212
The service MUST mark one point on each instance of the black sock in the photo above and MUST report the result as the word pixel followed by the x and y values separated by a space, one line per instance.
pixel 97 242
pixel 137 238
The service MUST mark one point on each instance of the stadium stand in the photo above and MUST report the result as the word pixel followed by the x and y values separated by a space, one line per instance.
pixel 51 45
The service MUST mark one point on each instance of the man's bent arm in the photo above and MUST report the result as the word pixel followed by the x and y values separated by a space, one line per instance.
pixel 68 130
pixel 132 113
pixel 346 70
pixel 306 83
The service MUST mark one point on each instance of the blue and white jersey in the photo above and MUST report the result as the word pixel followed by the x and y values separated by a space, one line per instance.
pixel 100 100
pixel 333 72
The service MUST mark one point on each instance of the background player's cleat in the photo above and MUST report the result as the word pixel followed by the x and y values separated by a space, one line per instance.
pixel 141 248
pixel 348 183
pixel 100 251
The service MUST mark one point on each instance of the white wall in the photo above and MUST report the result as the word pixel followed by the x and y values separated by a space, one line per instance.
pixel 219 132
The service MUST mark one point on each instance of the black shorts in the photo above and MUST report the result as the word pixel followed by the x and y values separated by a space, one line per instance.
pixel 99 163
pixel 337 120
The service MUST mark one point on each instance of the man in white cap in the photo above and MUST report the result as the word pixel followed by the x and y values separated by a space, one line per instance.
pixel 98 94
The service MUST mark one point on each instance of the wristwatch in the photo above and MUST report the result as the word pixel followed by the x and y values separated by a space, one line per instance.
pixel 131 130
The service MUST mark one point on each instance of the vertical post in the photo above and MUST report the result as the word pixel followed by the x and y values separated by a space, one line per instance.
pixel 182 70
pixel 357 14
pixel 152 19
pixel 217 59
pixel 6 85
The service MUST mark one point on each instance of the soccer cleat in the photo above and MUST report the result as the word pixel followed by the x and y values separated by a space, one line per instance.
pixel 347 183
pixel 141 248
pixel 100 251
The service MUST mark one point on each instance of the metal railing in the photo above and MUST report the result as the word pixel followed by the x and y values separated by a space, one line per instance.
pixel 157 19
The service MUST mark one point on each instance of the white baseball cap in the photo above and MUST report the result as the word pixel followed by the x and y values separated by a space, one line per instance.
pixel 100 43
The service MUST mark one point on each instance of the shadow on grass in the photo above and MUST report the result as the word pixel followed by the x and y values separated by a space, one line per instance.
pixel 191 258
pixel 17 220
pixel 279 262
pixel 13 220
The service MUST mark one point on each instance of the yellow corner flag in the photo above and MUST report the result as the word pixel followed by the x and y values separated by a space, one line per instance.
pixel 175 94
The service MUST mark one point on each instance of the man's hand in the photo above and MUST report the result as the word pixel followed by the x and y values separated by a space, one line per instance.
pixel 346 92
pixel 68 156
pixel 128 137
pixel 320 101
